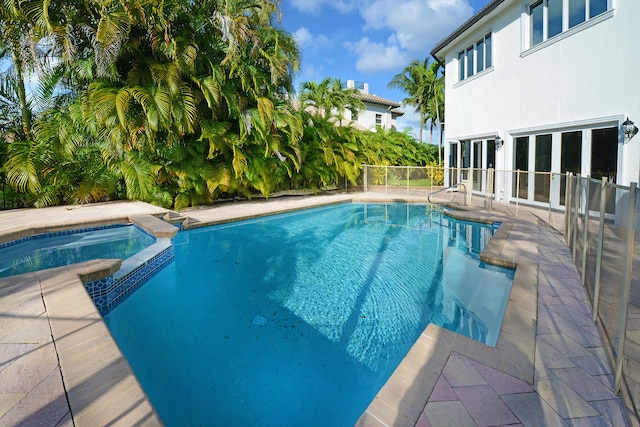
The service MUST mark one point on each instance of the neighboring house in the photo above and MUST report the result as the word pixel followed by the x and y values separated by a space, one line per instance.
pixel 554 80
pixel 377 111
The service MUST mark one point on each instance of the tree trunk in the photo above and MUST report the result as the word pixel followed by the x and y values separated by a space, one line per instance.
pixel 431 132
pixel 25 111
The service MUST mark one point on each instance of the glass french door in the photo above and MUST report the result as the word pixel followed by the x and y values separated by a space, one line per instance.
pixel 542 178
pixel 539 160
pixel 570 159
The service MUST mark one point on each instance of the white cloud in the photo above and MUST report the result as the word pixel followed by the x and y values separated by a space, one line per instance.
pixel 373 57
pixel 417 25
pixel 307 6
pixel 396 31
pixel 305 39
pixel 312 6
pixel 302 36
pixel 312 73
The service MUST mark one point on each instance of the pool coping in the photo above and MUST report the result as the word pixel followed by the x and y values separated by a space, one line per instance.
pixel 84 359
pixel 100 385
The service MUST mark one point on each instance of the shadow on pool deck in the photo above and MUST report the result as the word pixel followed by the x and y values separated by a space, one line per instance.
pixel 548 368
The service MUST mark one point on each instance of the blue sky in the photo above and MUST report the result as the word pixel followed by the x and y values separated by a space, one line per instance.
pixel 370 40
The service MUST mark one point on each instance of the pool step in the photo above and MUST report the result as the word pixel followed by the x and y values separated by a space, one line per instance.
pixel 155 226
pixel 174 218
pixel 177 219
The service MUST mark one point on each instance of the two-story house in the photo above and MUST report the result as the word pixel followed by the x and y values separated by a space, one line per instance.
pixel 543 86
pixel 377 112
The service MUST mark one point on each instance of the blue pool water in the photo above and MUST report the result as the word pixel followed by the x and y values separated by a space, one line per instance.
pixel 299 319
pixel 43 251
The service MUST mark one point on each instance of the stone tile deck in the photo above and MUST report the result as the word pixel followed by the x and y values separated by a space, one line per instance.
pixel 60 366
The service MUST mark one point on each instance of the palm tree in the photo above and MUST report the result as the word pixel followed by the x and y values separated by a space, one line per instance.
pixel 15 34
pixel 342 99
pixel 435 102
pixel 414 81
pixel 316 95
pixel 328 99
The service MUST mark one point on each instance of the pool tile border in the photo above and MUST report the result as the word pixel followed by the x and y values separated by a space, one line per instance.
pixel 28 231
pixel 109 291
pixel 128 280
pixel 64 232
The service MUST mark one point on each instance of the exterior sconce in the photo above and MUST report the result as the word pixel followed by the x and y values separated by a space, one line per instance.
pixel 629 129
pixel 499 141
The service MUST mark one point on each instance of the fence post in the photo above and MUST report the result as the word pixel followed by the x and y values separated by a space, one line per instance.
pixel 517 191
pixel 366 169
pixel 550 191
pixel 567 208
pixel 489 187
pixel 585 231
pixel 596 286
pixel 408 173
pixel 624 301
pixel 576 215
pixel 470 189
pixel 386 179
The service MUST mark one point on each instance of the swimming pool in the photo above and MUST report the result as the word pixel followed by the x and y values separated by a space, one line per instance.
pixel 299 319
pixel 59 248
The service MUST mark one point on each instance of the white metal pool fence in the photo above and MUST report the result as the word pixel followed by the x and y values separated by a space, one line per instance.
pixel 601 227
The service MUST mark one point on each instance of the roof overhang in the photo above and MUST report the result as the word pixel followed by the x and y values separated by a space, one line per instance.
pixel 368 98
pixel 397 113
pixel 490 9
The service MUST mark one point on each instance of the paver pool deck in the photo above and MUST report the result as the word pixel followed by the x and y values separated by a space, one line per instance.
pixel 59 365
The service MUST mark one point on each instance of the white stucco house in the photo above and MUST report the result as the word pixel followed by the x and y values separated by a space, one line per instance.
pixel 377 111
pixel 554 80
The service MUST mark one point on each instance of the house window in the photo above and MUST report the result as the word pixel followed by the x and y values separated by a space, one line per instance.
pixel 537 23
pixel 581 10
pixel 604 153
pixel 378 119
pixel 542 182
pixel 465 153
pixel 596 7
pixel 570 159
pixel 554 17
pixel 521 164
pixel 546 17
pixel 470 67
pixel 475 58
pixel 577 12
pixel 453 163
pixel 480 50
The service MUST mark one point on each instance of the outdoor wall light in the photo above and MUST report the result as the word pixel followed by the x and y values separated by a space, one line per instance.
pixel 629 128
pixel 499 141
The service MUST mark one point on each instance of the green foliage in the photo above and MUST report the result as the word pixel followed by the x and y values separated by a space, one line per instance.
pixel 436 174
pixel 424 86
pixel 174 103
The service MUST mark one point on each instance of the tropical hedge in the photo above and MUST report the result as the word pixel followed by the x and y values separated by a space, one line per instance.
pixel 171 102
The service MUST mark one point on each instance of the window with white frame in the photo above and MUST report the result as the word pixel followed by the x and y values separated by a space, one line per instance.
pixel 378 119
pixel 548 18
pixel 475 58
